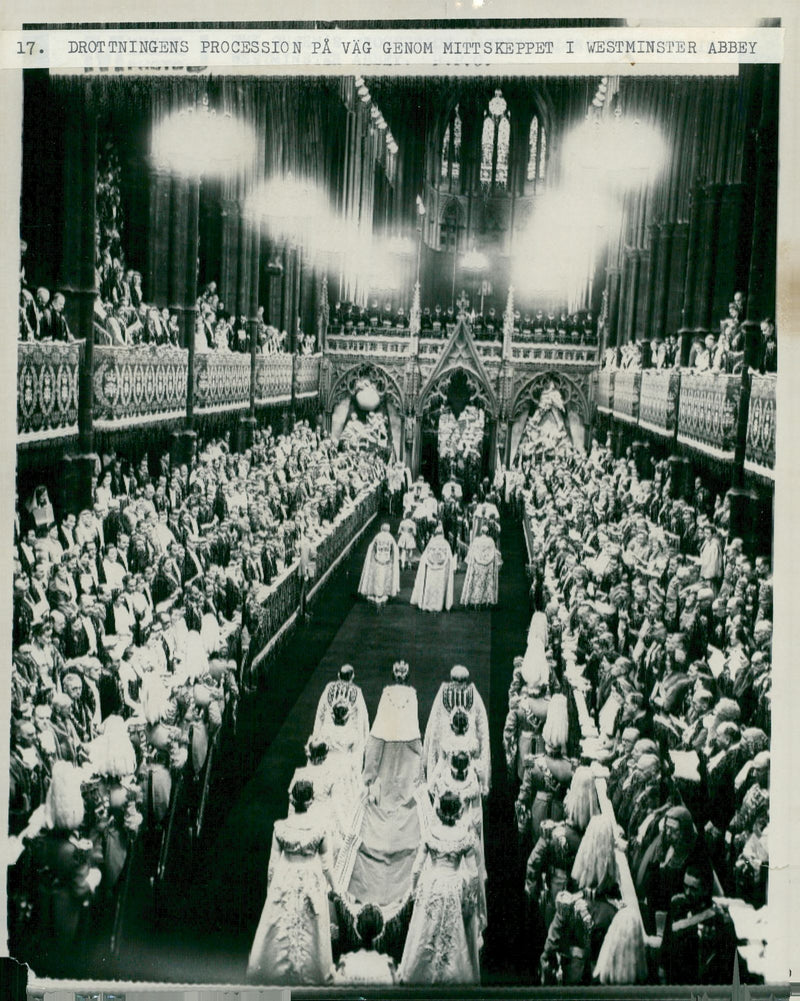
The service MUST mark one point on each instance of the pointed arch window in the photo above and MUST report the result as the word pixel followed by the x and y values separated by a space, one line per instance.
pixel 537 151
pixel 495 138
pixel 451 227
pixel 451 148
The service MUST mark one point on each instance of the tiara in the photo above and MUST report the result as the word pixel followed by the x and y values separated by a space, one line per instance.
pixel 400 669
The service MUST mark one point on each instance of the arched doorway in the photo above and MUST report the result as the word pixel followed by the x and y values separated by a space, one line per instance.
pixel 457 430
pixel 548 409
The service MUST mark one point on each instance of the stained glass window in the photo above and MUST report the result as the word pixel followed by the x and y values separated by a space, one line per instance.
pixel 450 227
pixel 503 137
pixel 542 154
pixel 487 150
pixel 451 147
pixel 537 151
pixel 446 153
pixel 533 149
pixel 495 143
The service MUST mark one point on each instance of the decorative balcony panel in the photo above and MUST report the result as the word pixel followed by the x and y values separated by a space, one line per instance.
pixel 221 382
pixel 627 384
pixel 47 390
pixel 708 412
pixel 138 385
pixel 306 375
pixel 554 354
pixel 394 343
pixel 605 390
pixel 759 452
pixel 658 400
pixel 273 378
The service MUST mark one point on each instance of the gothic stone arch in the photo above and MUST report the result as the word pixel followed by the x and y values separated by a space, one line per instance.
pixel 572 393
pixel 439 384
pixel 345 384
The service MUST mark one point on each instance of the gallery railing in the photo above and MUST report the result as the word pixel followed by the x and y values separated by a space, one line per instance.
pixel 759 450
pixel 273 378
pixel 627 384
pixel 395 343
pixel 145 384
pixel 605 390
pixel 138 385
pixel 277 608
pixel 47 390
pixel 708 412
pixel 221 382
pixel 306 374
pixel 658 400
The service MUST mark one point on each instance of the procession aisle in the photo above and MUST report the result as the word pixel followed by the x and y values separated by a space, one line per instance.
pixel 371 641
pixel 214 912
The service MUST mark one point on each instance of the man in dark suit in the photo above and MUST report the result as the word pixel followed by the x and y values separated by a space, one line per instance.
pixel 59 327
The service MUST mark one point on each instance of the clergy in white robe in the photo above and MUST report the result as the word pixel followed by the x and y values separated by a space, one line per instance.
pixel 434 584
pixel 380 578
pixel 483 572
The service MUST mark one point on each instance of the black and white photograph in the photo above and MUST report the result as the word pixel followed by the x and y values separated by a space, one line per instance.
pixel 394 510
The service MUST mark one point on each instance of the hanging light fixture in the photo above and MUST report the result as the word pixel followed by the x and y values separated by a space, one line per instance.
pixel 197 141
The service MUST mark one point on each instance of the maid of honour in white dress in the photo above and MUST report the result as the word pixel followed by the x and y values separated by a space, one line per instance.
pixel 448 920
pixel 292 944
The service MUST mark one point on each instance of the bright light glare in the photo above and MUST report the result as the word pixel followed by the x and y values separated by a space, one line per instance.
pixel 556 252
pixel 475 261
pixel 294 209
pixel 199 142
pixel 623 151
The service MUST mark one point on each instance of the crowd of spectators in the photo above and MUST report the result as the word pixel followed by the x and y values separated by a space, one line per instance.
pixel 646 673
pixel 537 326
pixel 131 628
pixel 123 318
pixel 708 352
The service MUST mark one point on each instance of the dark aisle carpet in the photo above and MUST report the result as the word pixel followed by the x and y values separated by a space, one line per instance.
pixel 507 955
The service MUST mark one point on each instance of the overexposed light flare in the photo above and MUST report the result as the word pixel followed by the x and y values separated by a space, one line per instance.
pixel 199 142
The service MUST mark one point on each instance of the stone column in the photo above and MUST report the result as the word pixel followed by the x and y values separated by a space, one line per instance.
pixel 157 289
pixel 184 241
pixel 613 284
pixel 247 423
pixel 661 290
pixel 709 219
pixel 229 253
pixel 78 283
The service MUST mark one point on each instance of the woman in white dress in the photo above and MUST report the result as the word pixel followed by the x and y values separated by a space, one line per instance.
pixel 459 776
pixel 326 806
pixel 447 923
pixel 366 965
pixel 376 863
pixel 292 944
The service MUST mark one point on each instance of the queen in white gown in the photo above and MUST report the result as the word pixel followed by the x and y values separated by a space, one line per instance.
pixel 447 923
pixel 434 583
pixel 376 862
pixel 292 944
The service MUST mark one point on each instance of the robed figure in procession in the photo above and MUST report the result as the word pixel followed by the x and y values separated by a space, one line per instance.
pixel 380 578
pixel 433 587
pixel 483 572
